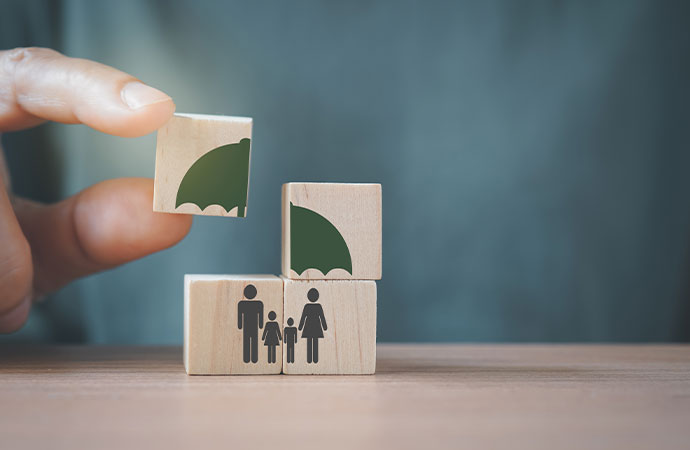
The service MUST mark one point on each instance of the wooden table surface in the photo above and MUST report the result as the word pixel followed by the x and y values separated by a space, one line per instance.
pixel 422 397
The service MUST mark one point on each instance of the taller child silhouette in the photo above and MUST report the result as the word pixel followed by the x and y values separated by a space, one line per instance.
pixel 271 337
pixel 250 317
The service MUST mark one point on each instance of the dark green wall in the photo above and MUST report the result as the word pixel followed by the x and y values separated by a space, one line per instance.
pixel 534 156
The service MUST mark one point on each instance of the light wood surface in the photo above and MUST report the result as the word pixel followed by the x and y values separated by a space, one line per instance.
pixel 348 345
pixel 213 341
pixel 422 397
pixel 179 144
pixel 354 209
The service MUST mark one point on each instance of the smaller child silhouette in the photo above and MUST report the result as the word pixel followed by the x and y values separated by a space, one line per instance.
pixel 290 339
pixel 271 336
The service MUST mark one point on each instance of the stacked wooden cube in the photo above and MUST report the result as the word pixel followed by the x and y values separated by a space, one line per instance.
pixel 332 251
pixel 319 316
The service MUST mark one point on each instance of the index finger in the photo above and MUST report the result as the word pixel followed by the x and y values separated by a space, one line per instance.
pixel 39 84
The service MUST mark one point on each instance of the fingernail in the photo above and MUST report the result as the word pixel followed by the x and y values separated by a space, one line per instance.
pixel 137 95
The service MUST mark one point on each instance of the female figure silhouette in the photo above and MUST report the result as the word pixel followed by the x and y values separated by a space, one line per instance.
pixel 312 324
pixel 271 336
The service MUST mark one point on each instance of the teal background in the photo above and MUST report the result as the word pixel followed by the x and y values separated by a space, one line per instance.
pixel 534 156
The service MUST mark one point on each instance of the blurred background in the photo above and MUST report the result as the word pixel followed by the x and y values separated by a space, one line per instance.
pixel 534 156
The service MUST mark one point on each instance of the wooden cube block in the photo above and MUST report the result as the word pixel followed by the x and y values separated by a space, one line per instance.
pixel 202 165
pixel 332 231
pixel 233 324
pixel 330 327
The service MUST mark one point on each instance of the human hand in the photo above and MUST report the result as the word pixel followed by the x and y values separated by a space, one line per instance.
pixel 44 247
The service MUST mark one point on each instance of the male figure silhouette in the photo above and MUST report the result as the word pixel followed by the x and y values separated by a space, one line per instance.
pixel 313 322
pixel 271 336
pixel 250 317
pixel 290 339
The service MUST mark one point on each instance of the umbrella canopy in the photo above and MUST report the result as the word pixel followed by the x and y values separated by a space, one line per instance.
pixel 219 177
pixel 315 243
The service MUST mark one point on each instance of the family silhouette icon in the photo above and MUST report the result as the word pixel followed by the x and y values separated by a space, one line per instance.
pixel 250 318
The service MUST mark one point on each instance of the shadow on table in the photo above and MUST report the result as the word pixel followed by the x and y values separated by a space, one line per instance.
pixel 61 359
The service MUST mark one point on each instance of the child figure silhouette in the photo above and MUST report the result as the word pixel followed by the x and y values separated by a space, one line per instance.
pixel 290 339
pixel 271 336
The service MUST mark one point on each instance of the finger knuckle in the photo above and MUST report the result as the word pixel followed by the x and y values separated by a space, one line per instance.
pixel 24 53
pixel 11 61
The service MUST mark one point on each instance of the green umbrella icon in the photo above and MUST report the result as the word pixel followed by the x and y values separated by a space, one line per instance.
pixel 219 177
pixel 315 243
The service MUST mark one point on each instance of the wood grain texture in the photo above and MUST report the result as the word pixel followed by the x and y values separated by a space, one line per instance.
pixel 213 343
pixel 354 209
pixel 422 396
pixel 348 345
pixel 180 143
